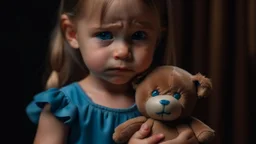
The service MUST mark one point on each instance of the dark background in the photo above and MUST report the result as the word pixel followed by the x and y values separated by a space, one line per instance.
pixel 215 37
pixel 35 20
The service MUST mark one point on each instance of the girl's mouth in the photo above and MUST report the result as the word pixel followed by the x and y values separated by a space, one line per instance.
pixel 117 70
pixel 120 69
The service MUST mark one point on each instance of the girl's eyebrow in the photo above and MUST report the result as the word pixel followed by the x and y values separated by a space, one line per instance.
pixel 143 24
pixel 140 24
pixel 108 26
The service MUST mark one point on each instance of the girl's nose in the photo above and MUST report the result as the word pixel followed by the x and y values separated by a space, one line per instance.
pixel 122 51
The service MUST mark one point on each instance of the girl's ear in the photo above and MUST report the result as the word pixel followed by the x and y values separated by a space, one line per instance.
pixel 69 31
pixel 203 85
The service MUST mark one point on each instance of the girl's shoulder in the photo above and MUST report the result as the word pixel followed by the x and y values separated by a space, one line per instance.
pixel 71 103
pixel 62 100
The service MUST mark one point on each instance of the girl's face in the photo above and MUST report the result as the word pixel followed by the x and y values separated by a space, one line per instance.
pixel 118 43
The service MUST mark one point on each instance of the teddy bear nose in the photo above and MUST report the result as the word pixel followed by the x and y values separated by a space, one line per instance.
pixel 164 102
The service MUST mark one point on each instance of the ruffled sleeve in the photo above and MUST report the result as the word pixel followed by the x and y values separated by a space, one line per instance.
pixel 61 106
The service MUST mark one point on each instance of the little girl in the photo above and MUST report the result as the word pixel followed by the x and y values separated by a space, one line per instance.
pixel 99 48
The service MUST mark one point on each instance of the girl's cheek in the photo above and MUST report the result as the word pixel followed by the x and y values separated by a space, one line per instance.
pixel 93 64
pixel 96 60
pixel 143 60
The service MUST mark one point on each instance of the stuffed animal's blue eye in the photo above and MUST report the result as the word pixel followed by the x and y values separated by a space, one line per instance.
pixel 177 95
pixel 155 93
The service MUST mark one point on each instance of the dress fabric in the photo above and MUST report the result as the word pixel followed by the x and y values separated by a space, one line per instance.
pixel 89 123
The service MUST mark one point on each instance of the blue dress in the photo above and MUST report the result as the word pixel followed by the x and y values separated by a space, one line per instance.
pixel 89 123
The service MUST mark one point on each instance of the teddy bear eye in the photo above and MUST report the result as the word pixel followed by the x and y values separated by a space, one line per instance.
pixel 155 93
pixel 177 95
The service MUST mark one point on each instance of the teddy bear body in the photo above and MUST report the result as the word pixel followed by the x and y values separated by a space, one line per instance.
pixel 170 131
pixel 166 99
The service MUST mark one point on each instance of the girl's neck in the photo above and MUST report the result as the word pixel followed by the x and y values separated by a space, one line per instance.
pixel 108 94
pixel 106 86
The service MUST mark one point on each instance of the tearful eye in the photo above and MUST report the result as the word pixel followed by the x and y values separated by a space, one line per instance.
pixel 139 35
pixel 104 35
pixel 177 95
pixel 155 93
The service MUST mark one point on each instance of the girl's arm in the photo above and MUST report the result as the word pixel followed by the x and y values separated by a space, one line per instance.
pixel 50 130
pixel 141 137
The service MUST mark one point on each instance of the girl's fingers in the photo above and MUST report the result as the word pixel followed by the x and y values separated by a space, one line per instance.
pixel 154 139
pixel 141 136
pixel 142 133
pixel 186 133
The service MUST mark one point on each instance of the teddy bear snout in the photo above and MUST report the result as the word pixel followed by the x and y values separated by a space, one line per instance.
pixel 164 102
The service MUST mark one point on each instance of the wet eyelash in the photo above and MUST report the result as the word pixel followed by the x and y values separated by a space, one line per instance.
pixel 139 35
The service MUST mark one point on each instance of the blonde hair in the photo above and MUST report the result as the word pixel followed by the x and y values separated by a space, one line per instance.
pixel 66 64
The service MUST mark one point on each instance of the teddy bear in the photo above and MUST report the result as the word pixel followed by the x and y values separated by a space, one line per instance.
pixel 166 98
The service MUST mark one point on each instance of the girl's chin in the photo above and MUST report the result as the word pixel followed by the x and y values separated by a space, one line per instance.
pixel 118 81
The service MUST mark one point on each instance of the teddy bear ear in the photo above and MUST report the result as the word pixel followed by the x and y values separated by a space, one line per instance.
pixel 203 85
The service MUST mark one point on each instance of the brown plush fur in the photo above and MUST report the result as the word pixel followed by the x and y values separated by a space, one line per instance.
pixel 166 98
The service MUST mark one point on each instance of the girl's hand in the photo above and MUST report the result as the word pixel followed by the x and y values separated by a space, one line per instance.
pixel 140 137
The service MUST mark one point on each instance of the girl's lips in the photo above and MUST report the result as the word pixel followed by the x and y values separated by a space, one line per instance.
pixel 124 69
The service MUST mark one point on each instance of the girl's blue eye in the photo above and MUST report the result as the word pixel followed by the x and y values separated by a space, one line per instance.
pixel 155 93
pixel 105 35
pixel 139 35
pixel 177 95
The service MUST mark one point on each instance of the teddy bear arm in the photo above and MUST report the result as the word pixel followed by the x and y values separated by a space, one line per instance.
pixel 124 131
pixel 203 132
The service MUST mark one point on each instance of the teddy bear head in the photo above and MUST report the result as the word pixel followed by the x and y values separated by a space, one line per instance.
pixel 169 93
